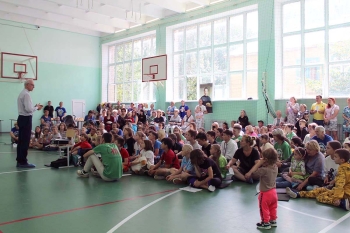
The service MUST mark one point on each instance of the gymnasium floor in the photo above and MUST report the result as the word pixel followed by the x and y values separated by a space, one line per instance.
pixel 56 200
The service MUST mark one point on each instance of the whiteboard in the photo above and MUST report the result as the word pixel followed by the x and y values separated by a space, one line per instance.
pixel 154 68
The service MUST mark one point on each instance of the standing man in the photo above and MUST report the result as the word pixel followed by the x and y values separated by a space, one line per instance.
pixel 183 109
pixel 317 110
pixel 49 107
pixel 25 112
pixel 60 111
pixel 207 101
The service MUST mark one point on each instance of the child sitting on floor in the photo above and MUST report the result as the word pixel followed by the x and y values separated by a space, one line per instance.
pixel 297 171
pixel 119 141
pixel 145 159
pixel 267 170
pixel 219 159
pixel 180 176
pixel 340 194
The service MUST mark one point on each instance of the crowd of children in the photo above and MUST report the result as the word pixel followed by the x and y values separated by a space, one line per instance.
pixel 182 152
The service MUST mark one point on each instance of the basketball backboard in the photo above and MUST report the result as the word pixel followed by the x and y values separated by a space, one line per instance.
pixel 16 66
pixel 154 68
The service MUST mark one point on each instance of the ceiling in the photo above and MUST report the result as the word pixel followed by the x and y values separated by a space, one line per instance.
pixel 94 17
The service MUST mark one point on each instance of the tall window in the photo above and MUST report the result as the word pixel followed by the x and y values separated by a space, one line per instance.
pixel 124 70
pixel 222 52
pixel 315 48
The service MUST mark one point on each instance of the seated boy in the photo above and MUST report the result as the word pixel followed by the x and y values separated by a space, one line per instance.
pixel 119 141
pixel 186 170
pixel 83 144
pixel 167 161
pixel 14 133
pixel 340 194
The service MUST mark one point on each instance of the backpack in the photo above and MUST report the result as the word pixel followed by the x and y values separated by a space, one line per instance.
pixel 59 163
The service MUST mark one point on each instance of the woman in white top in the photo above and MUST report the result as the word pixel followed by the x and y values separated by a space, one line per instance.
pixel 330 118
pixel 292 110
pixel 311 128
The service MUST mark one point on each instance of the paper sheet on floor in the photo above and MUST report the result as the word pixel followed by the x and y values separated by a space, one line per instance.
pixel 190 189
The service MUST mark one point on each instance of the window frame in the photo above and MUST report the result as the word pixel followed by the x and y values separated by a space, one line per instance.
pixel 325 65
pixel 132 60
pixel 171 96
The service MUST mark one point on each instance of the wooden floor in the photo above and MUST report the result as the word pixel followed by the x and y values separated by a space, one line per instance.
pixel 56 200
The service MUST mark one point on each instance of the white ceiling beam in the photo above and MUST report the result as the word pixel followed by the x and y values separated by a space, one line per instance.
pixel 136 6
pixel 70 11
pixel 56 18
pixel 201 2
pixel 173 5
pixel 48 24
pixel 103 9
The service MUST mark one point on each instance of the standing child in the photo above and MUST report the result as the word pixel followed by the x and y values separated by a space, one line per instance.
pixel 339 195
pixel 267 170
pixel 199 117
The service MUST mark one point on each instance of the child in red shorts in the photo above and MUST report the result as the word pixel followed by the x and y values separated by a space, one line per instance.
pixel 267 170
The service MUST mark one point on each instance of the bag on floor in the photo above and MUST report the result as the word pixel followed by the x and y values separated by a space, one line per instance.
pixel 59 163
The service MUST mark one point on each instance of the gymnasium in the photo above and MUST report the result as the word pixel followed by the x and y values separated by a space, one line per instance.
pixel 185 94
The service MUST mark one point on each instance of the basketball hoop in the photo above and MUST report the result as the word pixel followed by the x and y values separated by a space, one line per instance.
pixel 21 75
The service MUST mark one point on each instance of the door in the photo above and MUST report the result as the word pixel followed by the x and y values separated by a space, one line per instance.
pixel 78 108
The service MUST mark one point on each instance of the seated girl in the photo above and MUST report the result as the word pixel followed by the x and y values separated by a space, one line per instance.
pixel 186 170
pixel 208 175
pixel 145 159
pixel 45 139
pixel 34 143
pixel 297 172
pixel 119 141
pixel 219 159
pixel 62 128
pixel 265 142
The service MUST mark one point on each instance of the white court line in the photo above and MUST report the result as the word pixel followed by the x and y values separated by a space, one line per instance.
pixel 335 223
pixel 139 211
pixel 310 215
pixel 29 170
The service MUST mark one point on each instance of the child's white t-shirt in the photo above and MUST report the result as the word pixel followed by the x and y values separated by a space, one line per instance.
pixel 328 164
pixel 149 155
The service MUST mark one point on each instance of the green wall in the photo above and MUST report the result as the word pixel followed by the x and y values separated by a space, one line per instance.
pixel 68 68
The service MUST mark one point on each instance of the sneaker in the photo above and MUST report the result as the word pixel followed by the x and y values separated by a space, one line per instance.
pixel 211 188
pixel 177 181
pixel 273 223
pixel 291 193
pixel 28 165
pixel 14 145
pixel 159 177
pixel 344 204
pixel 250 181
pixel 82 173
pixel 263 225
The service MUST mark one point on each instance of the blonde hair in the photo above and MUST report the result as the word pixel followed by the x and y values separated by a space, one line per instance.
pixel 313 145
pixel 187 149
pixel 161 134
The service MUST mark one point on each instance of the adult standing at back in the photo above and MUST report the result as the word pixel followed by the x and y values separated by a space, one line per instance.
pixel 292 110
pixel 317 110
pixel 25 114
pixel 60 111
pixel 330 118
pixel 183 109
pixel 49 107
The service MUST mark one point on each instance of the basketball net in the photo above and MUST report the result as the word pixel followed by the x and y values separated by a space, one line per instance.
pixel 21 76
